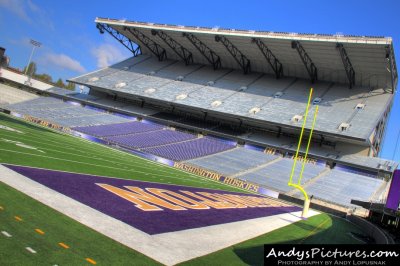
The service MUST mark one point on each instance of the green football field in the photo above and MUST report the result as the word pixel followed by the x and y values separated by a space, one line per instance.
pixel 41 147
pixel 31 145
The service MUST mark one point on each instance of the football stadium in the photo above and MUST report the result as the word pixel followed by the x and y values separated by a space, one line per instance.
pixel 200 148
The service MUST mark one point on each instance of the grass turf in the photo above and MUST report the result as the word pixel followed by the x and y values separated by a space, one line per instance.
pixel 83 242
pixel 318 229
pixel 45 148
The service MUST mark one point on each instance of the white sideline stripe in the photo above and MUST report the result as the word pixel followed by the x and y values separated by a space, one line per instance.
pixel 136 156
pixel 167 248
pixel 31 250
pixel 113 177
pixel 6 234
pixel 91 164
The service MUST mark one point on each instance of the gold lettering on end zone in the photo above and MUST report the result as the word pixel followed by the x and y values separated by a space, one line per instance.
pixel 155 199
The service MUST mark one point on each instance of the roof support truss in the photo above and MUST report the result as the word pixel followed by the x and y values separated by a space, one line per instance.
pixel 240 58
pixel 308 63
pixel 271 58
pixel 181 51
pixel 209 54
pixel 129 44
pixel 348 67
pixel 154 47
pixel 392 65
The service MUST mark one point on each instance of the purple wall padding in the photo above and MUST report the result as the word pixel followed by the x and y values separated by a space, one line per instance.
pixel 393 198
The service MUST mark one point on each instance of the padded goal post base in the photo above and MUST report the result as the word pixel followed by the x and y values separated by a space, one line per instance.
pixel 306 206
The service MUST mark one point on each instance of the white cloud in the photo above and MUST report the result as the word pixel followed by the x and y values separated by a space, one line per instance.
pixel 107 54
pixel 32 6
pixel 17 7
pixel 22 8
pixel 63 61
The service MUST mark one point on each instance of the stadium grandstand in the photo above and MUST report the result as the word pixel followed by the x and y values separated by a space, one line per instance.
pixel 231 102
pixel 184 138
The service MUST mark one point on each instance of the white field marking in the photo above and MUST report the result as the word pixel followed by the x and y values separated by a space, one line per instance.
pixel 105 146
pixel 168 248
pixel 6 234
pixel 31 250
pixel 140 164
pixel 137 164
pixel 10 129
pixel 97 152
pixel 206 180
pixel 82 155
pixel 152 182
pixel 136 156
pixel 20 144
pixel 109 167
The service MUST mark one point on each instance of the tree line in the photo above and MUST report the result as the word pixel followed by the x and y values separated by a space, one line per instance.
pixel 47 78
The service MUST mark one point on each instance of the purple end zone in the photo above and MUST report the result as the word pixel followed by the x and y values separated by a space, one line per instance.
pixel 83 188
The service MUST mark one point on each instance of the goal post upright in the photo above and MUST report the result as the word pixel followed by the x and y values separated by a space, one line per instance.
pixel 298 185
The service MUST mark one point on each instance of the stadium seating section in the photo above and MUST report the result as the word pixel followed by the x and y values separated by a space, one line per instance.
pixel 190 149
pixel 210 153
pixel 10 95
pixel 341 187
pixel 230 92
pixel 151 139
pixel 233 161
pixel 119 129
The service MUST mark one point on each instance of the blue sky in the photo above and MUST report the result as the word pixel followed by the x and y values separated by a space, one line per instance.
pixel 72 45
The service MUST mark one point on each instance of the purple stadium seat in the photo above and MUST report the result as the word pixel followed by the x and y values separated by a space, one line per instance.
pixel 150 139
pixel 118 129
pixel 190 149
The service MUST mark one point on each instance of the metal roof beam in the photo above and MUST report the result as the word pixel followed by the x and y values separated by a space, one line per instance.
pixel 392 65
pixel 271 58
pixel 348 67
pixel 128 43
pixel 209 54
pixel 154 47
pixel 181 51
pixel 308 63
pixel 239 57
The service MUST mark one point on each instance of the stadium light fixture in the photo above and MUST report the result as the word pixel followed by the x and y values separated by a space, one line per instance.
pixel 35 44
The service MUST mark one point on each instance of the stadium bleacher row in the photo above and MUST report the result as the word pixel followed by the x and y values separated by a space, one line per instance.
pixel 255 95
pixel 64 114
pixel 151 139
pixel 210 153
pixel 11 96
pixel 119 129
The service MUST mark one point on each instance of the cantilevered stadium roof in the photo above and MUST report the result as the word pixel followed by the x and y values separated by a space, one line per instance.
pixel 355 60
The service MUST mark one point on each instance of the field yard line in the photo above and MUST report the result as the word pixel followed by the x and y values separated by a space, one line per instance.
pixel 78 155
pixel 31 250
pixel 152 182
pixel 142 163
pixel 67 160
pixel 195 177
pixel 168 248
pixel 6 233
pixel 46 143
pixel 135 156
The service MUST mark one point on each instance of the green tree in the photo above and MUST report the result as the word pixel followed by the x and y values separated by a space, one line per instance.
pixel 60 83
pixel 44 77
pixel 70 86
pixel 31 69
